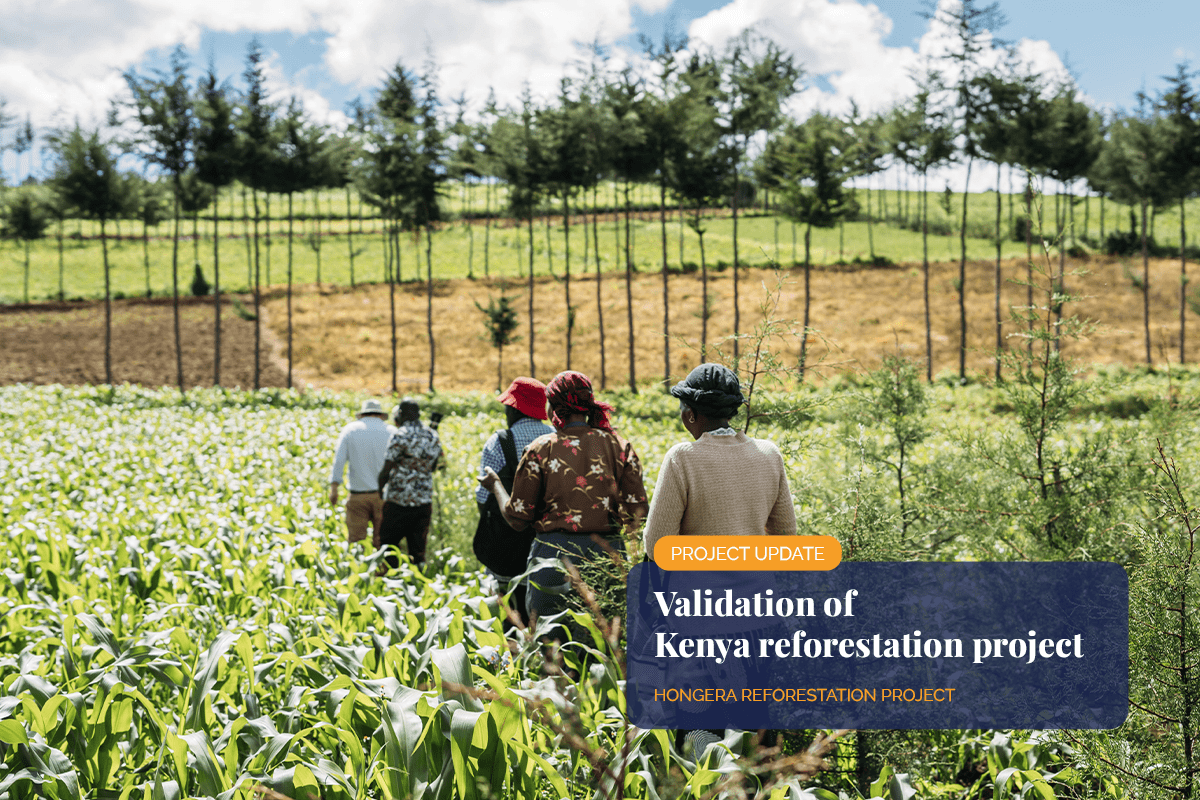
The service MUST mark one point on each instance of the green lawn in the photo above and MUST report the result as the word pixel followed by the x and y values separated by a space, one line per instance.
pixel 496 248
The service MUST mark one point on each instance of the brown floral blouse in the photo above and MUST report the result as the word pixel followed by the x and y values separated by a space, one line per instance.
pixel 580 479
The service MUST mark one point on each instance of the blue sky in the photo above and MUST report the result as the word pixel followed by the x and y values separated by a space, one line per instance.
pixel 63 60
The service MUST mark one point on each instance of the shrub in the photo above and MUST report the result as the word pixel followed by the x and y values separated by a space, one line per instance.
pixel 1125 243
pixel 200 287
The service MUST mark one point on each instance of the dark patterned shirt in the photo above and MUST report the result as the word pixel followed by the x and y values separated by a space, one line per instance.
pixel 581 480
pixel 414 449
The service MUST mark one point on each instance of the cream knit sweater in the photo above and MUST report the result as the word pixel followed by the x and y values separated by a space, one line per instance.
pixel 720 486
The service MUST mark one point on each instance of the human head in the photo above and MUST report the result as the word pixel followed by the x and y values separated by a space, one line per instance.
pixel 409 410
pixel 571 393
pixel 525 397
pixel 711 392
pixel 370 408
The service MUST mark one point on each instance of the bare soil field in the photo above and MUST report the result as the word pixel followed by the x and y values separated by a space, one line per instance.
pixel 342 338
pixel 64 343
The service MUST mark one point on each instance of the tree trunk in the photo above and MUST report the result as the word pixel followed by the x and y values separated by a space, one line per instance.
pixel 532 366
pixel 246 236
pixel 108 377
pixel 925 273
pixel 1010 196
pixel 216 293
pixel 145 255
pixel 1059 284
pixel 470 232
pixel 1087 212
pixel 61 258
pixel 1182 282
pixel 775 219
pixel 962 282
pixel 175 293
pixel 255 282
pixel 1029 257
pixel 629 294
pixel 349 235
pixel 704 311
pixel 549 249
pixel 392 267
pixel 26 272
pixel 807 298
pixel 870 225
pixel 429 300
pixel 662 215
pixel 1145 282
pixel 737 317
pixel 267 231
pixel 487 224
pixel 680 209
pixel 599 298
pixel 567 271
pixel 290 238
pixel 999 215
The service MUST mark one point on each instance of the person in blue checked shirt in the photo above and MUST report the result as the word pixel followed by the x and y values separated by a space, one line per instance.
pixel 524 411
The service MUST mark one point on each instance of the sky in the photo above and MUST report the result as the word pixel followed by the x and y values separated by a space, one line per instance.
pixel 62 60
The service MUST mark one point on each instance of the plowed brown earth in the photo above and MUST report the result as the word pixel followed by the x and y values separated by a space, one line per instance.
pixel 64 343
pixel 342 336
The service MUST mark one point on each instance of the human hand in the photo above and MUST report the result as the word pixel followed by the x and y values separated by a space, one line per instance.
pixel 333 494
pixel 489 479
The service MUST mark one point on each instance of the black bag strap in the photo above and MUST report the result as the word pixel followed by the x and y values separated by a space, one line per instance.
pixel 508 444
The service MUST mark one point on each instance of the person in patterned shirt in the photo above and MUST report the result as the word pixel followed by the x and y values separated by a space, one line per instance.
pixel 407 480
pixel 580 488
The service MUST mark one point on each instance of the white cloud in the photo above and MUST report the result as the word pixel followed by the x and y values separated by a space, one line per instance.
pixel 477 44
pixel 64 58
pixel 840 41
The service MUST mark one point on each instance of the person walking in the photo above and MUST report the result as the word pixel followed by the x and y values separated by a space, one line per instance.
pixel 361 446
pixel 498 547
pixel 723 483
pixel 580 488
pixel 407 480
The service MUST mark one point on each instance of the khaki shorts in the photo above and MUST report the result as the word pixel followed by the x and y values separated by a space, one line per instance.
pixel 363 510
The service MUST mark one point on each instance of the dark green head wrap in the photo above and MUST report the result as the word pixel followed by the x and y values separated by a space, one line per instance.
pixel 712 390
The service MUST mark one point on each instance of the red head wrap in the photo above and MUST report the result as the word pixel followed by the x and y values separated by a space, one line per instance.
pixel 571 393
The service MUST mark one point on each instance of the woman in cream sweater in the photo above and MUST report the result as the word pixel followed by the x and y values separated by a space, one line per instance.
pixel 724 483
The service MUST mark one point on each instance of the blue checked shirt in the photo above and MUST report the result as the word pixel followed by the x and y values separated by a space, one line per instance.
pixel 524 432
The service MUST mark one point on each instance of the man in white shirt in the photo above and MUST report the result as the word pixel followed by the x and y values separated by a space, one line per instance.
pixel 362 445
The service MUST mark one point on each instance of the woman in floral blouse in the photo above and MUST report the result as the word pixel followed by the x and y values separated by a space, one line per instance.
pixel 579 487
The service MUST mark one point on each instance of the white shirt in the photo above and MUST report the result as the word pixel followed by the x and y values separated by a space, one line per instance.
pixel 363 445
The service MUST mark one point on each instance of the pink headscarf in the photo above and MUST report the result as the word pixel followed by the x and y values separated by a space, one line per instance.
pixel 571 393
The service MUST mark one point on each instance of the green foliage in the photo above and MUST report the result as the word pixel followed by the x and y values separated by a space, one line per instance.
pixel 85 174
pixel 181 608
pixel 893 399
pixel 817 157
pixel 240 309
pixel 26 217
pixel 1159 747
pixel 500 318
